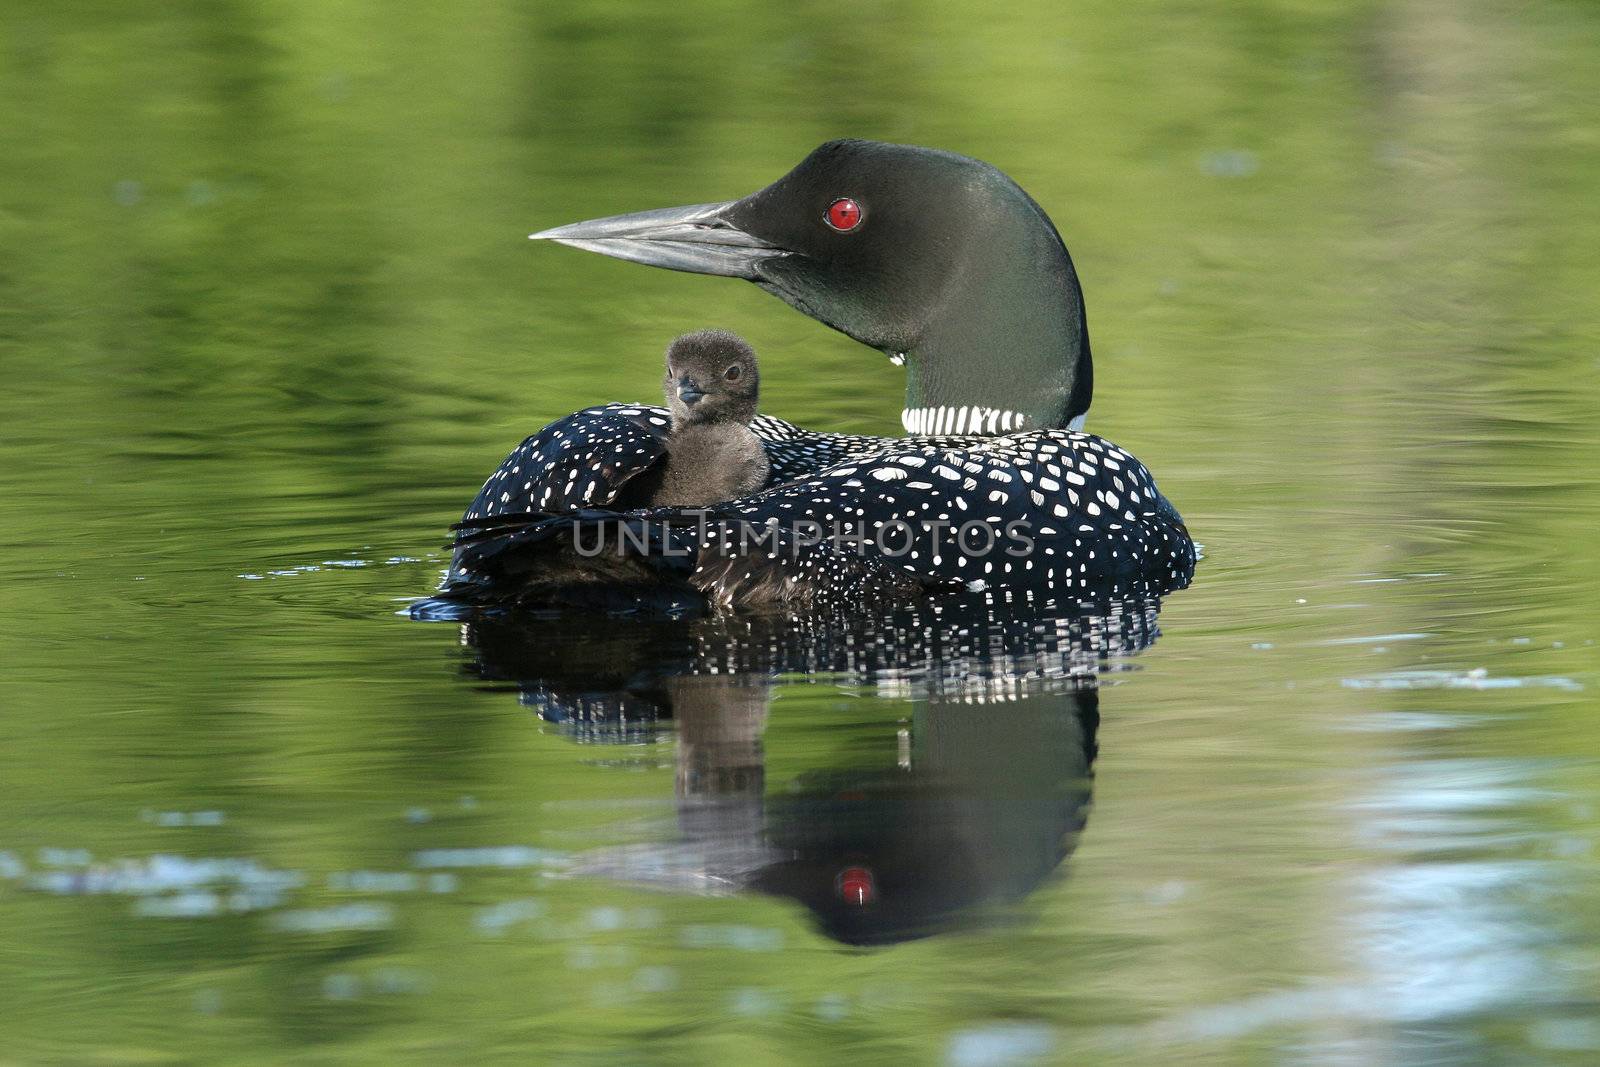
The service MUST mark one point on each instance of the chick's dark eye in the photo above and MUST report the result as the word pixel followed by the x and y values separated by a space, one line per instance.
pixel 844 214
pixel 732 373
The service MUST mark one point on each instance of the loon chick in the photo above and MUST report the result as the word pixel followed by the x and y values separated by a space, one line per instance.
pixel 712 388
pixel 945 265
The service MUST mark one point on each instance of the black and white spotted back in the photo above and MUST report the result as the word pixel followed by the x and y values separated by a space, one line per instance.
pixel 1060 512
pixel 580 460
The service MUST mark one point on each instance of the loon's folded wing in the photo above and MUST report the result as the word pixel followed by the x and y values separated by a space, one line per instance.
pixel 795 452
pixel 1053 512
pixel 586 459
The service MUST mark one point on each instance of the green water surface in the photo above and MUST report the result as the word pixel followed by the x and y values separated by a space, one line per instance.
pixel 268 316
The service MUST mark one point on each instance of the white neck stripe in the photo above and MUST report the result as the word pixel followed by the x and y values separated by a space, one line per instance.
pixel 968 419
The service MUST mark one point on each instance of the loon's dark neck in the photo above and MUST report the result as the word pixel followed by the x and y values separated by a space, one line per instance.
pixel 1008 347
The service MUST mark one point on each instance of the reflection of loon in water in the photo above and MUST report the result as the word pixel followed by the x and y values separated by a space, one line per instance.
pixel 967 809
pixel 968 804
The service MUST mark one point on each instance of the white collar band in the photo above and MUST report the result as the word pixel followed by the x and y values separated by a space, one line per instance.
pixel 970 419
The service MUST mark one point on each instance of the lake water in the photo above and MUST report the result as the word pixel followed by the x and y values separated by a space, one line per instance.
pixel 268 317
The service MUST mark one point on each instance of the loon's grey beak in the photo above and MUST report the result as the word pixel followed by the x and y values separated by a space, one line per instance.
pixel 695 239
pixel 690 394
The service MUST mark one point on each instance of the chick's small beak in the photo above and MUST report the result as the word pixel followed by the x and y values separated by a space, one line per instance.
pixel 689 392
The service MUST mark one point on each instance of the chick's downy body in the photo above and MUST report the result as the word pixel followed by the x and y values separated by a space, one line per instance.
pixel 712 389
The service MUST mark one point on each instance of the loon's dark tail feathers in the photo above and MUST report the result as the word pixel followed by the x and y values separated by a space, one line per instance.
pixel 670 562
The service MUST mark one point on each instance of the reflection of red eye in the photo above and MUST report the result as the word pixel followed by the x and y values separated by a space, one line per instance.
pixel 843 214
pixel 855 885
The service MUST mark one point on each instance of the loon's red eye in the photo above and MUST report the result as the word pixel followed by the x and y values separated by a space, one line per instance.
pixel 843 214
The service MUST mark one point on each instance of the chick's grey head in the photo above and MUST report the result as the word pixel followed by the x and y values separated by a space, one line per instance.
pixel 711 377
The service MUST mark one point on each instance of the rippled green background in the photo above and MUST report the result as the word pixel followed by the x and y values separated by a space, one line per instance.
pixel 266 302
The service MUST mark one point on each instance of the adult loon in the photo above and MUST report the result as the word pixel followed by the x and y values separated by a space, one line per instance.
pixel 944 264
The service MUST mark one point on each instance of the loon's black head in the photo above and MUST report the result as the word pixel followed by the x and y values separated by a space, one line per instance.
pixel 922 254
pixel 711 377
